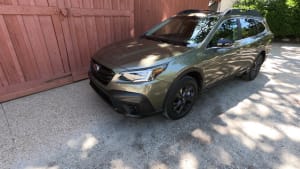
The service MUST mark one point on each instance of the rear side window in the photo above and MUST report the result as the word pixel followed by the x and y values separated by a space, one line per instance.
pixel 260 27
pixel 228 31
pixel 248 27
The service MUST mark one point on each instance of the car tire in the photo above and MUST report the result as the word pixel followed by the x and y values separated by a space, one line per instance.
pixel 252 73
pixel 181 98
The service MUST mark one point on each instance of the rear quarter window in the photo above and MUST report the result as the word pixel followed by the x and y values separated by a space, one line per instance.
pixel 260 27
pixel 248 27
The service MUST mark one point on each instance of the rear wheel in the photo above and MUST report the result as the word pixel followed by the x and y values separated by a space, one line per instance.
pixel 181 98
pixel 252 73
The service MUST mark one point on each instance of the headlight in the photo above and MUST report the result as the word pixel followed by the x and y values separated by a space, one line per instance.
pixel 143 75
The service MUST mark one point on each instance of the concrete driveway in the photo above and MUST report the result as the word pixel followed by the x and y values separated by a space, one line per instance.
pixel 251 125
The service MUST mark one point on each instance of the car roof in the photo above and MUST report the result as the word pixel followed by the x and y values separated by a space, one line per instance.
pixel 229 12
pixel 199 13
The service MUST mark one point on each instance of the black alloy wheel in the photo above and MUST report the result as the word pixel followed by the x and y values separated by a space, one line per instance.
pixel 181 98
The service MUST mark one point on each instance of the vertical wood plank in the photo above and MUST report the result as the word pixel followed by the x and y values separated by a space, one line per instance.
pixel 128 27
pixel 37 41
pixel 81 35
pixel 71 58
pixel 91 28
pixel 53 2
pixel 100 26
pixel 108 23
pixel 22 47
pixel 108 32
pixel 61 39
pixel 51 44
pixel 59 33
pixel 87 4
pixel 99 4
pixel 131 7
pixel 50 39
pixel 8 56
pixel 83 43
pixel 76 53
pixel 115 4
pixel 137 15
pixel 75 3
pixel 3 79
pixel 107 4
pixel 123 4
pixel 38 45
pixel 113 29
pixel 122 28
pixel 70 39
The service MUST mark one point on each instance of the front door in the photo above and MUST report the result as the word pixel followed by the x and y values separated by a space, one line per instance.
pixel 221 53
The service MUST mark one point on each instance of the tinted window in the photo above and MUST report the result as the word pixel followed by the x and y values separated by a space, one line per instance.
pixel 260 27
pixel 202 29
pixel 182 30
pixel 248 27
pixel 227 32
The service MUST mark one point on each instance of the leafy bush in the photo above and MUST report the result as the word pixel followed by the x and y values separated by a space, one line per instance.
pixel 283 16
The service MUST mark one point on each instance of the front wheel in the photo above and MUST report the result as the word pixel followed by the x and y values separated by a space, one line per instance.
pixel 181 98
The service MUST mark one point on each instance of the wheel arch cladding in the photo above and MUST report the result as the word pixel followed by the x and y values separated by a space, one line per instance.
pixel 197 76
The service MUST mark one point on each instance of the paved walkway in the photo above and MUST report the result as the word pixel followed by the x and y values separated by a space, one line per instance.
pixel 236 125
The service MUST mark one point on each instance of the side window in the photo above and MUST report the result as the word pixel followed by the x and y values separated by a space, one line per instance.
pixel 202 29
pixel 226 34
pixel 260 27
pixel 248 27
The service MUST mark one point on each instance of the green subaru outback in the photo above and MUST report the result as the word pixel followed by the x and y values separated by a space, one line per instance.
pixel 164 70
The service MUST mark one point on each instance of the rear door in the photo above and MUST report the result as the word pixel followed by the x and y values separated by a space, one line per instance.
pixel 250 42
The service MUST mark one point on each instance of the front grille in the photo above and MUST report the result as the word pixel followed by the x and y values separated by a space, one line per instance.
pixel 103 74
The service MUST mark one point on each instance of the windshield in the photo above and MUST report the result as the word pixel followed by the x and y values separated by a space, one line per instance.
pixel 182 30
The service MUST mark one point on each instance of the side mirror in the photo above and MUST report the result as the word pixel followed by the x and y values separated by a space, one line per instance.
pixel 223 42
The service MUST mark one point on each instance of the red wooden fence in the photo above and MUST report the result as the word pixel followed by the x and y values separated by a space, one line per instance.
pixel 48 43
pixel 148 13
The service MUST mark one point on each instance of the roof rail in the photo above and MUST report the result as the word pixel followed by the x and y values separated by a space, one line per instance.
pixel 191 11
pixel 242 12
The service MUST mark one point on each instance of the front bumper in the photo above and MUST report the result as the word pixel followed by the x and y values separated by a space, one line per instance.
pixel 128 103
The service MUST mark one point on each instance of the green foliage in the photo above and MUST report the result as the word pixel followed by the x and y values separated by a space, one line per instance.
pixel 283 16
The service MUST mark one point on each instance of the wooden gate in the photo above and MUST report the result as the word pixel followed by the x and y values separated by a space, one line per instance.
pixel 148 13
pixel 48 43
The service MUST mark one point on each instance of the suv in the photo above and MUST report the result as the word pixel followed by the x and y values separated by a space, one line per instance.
pixel 164 70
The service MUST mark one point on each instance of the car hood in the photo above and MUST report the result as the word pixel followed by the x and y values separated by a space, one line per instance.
pixel 137 53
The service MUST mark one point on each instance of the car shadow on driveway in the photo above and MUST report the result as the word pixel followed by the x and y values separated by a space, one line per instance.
pixel 155 141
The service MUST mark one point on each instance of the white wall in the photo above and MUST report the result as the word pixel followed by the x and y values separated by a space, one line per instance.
pixel 225 4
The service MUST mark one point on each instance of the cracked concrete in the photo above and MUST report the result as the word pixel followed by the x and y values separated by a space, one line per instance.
pixel 238 124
